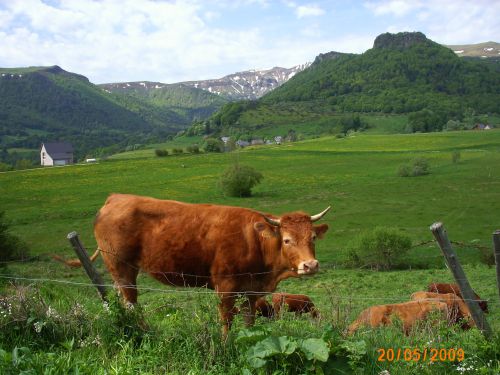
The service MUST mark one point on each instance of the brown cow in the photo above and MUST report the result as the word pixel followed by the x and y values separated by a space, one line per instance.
pixel 297 303
pixel 408 312
pixel 457 309
pixel 453 288
pixel 232 250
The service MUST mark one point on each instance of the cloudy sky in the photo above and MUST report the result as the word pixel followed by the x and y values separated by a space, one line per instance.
pixel 173 41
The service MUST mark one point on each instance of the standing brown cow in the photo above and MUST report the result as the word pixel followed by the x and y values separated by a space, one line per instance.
pixel 235 251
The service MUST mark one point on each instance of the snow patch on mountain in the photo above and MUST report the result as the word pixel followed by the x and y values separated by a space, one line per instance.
pixel 250 84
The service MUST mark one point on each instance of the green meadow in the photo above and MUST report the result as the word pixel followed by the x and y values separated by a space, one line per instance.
pixel 356 175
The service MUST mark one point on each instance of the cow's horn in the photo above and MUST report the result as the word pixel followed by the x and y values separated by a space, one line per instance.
pixel 320 215
pixel 275 222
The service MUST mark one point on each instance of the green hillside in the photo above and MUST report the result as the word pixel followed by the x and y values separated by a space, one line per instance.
pixel 398 77
pixel 188 102
pixel 403 73
pixel 43 104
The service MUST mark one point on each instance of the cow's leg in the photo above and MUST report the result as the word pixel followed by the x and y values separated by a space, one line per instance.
pixel 123 272
pixel 125 278
pixel 248 309
pixel 227 311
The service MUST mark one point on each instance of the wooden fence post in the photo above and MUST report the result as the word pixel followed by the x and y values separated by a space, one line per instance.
pixel 496 247
pixel 458 273
pixel 87 264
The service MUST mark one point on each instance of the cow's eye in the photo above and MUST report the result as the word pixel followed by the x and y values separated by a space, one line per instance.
pixel 287 241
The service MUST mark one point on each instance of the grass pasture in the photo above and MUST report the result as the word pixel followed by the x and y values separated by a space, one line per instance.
pixel 356 175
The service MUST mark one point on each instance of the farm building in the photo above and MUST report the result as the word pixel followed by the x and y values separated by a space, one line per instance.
pixel 57 153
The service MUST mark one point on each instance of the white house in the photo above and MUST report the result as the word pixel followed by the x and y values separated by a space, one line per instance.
pixel 57 153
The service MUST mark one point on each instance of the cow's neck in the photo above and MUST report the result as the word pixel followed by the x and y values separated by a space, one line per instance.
pixel 277 265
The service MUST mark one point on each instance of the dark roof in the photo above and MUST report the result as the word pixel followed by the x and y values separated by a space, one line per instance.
pixel 58 149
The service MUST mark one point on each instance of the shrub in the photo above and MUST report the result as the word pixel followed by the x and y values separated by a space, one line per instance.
pixel 194 149
pixel 213 145
pixel 404 170
pixel 238 180
pixel 420 167
pixel 11 247
pixel 5 167
pixel 382 248
pixel 24 164
pixel 455 156
pixel 161 153
pixel 417 167
pixel 177 151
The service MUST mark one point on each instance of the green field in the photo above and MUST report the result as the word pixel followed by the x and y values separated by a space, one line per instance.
pixel 357 175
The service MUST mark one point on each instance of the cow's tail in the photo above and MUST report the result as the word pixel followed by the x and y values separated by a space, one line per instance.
pixel 75 262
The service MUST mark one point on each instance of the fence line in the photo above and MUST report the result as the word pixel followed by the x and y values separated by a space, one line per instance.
pixel 207 291
pixel 322 265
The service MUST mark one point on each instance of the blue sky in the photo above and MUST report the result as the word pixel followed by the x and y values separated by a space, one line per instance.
pixel 174 41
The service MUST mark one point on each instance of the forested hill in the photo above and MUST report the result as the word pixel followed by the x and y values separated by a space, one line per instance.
pixel 402 73
pixel 188 102
pixel 47 103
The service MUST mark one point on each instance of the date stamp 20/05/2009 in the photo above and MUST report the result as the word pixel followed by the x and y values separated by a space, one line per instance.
pixel 417 354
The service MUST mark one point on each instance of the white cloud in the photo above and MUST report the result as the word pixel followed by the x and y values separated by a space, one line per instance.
pixel 445 21
pixel 308 10
pixel 172 41
pixel 395 7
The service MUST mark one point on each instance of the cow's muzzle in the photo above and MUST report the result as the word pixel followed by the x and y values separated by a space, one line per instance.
pixel 308 267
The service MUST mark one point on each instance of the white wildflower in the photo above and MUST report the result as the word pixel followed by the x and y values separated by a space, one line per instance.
pixel 38 326
pixel 52 313
pixel 97 341
pixel 106 307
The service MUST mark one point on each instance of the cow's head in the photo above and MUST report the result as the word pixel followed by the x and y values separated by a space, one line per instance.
pixel 296 235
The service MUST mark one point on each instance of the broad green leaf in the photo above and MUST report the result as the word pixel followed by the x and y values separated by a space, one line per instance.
pixel 275 345
pixel 315 349
pixel 250 336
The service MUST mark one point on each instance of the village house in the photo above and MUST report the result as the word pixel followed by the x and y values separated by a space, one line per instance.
pixel 481 127
pixel 242 143
pixel 56 153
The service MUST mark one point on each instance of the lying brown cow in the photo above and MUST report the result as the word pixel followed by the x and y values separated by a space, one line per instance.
pixel 408 312
pixel 453 288
pixel 297 303
pixel 264 308
pixel 232 250
pixel 457 309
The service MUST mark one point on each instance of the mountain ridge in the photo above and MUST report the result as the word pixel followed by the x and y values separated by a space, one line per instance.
pixel 402 73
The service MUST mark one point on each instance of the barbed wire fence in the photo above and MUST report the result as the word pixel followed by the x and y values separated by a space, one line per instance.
pixel 329 297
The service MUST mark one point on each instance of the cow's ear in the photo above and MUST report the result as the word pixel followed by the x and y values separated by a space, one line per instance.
pixel 321 230
pixel 264 229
